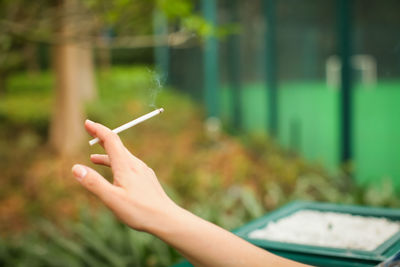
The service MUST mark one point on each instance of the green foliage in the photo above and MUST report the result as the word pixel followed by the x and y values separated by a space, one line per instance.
pixel 101 240
pixel 29 85
pixel 98 240
pixel 176 8
pixel 229 208
pixel 124 17
pixel 221 180
pixel 28 103
pixel 182 12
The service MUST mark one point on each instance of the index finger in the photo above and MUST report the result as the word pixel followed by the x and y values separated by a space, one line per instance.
pixel 110 140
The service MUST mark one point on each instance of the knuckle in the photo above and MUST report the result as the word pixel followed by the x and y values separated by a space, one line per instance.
pixel 110 135
pixel 114 138
pixel 90 183
pixel 142 163
pixel 151 171
pixel 143 167
pixel 119 172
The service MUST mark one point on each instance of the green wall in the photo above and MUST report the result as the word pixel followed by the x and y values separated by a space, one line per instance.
pixel 376 135
pixel 309 123
pixel 254 107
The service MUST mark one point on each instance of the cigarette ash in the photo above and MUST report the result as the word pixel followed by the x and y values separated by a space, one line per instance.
pixel 329 229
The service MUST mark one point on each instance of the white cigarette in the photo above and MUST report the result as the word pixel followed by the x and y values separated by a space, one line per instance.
pixel 130 124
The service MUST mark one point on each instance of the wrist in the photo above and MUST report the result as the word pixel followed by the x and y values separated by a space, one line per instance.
pixel 162 219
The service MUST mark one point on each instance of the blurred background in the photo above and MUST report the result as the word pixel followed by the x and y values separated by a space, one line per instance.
pixel 266 101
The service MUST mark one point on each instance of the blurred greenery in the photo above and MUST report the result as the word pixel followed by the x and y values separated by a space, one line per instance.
pixel 100 240
pixel 93 241
pixel 48 220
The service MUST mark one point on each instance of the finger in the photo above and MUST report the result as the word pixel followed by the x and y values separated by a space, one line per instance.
pixel 111 141
pixel 95 183
pixel 100 159
pixel 118 154
pixel 89 129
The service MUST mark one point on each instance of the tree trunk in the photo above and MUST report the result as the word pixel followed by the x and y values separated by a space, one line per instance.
pixel 66 129
pixel 86 73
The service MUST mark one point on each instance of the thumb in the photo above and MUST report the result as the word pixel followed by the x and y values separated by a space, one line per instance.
pixel 94 182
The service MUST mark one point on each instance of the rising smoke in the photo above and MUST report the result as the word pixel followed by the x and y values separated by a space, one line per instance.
pixel 157 81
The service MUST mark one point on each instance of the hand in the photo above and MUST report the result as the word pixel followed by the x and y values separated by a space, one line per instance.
pixel 135 196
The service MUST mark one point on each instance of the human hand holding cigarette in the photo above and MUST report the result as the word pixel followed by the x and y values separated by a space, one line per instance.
pixel 135 195
pixel 130 124
pixel 137 199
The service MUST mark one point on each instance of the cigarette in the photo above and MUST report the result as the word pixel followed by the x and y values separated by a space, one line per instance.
pixel 130 124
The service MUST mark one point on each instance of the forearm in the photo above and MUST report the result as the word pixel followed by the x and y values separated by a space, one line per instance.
pixel 205 244
pixel 137 198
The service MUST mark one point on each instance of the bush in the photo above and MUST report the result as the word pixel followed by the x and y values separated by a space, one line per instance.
pixel 227 180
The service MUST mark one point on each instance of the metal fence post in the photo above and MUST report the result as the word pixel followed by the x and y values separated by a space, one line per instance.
pixel 345 51
pixel 234 69
pixel 211 70
pixel 271 65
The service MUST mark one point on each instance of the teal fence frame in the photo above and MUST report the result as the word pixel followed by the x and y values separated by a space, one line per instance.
pixel 353 124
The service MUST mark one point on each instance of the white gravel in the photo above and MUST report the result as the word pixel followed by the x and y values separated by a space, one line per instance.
pixel 329 229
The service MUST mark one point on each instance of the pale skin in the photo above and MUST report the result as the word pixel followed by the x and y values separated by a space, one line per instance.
pixel 136 197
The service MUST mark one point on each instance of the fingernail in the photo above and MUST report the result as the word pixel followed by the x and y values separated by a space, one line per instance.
pixel 79 171
pixel 89 121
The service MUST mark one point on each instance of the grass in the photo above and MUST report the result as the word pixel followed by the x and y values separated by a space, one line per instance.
pixel 48 220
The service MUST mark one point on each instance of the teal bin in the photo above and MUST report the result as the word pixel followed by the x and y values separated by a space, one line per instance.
pixel 323 256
